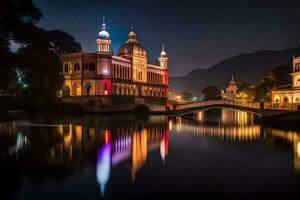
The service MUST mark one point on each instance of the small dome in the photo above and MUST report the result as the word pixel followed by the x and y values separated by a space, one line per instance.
pixel 103 35
pixel 163 53
pixel 132 35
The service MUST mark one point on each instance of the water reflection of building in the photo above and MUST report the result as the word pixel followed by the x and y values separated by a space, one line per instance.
pixel 75 143
pixel 235 133
pixel 18 140
pixel 231 124
pixel 130 143
pixel 291 138
pixel 236 117
pixel 111 144
pixel 133 146
pixel 103 166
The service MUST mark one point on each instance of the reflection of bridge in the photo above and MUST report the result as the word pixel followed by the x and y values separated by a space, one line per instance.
pixel 257 108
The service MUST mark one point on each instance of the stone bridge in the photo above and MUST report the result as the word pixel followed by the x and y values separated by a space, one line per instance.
pixel 256 108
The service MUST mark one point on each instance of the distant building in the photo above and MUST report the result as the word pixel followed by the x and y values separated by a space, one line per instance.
pixel 231 91
pixel 127 74
pixel 289 96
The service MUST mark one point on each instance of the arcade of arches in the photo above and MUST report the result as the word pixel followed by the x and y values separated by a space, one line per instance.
pixel 118 89
pixel 288 97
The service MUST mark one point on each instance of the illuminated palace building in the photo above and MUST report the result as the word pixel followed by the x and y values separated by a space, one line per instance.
pixel 289 96
pixel 106 79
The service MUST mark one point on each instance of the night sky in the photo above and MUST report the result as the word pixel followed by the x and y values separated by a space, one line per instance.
pixel 197 34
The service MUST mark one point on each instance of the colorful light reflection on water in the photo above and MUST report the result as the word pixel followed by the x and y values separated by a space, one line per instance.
pixel 134 158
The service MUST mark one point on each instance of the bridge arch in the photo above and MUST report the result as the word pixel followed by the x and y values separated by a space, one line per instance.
pixel 194 107
pixel 141 108
pixel 228 107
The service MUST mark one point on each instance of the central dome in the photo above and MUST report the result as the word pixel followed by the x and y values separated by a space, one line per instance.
pixel 131 47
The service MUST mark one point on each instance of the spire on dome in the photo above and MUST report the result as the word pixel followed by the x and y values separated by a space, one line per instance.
pixel 103 34
pixel 132 35
pixel 163 53
pixel 232 82
pixel 103 24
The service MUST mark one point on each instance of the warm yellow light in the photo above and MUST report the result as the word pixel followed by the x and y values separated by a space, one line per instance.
pixel 178 98
pixel 298 149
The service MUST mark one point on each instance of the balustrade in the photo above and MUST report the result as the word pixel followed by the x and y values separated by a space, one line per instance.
pixel 249 104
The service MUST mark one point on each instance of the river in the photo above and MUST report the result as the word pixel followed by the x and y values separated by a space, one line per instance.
pixel 220 153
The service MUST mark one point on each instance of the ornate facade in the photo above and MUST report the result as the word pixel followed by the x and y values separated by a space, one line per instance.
pixel 289 96
pixel 126 74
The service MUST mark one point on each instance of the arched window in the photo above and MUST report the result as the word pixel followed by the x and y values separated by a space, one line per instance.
pixel 120 91
pixel 298 83
pixel 297 100
pixel 92 66
pixel 131 91
pixel 285 99
pixel 76 90
pixel 89 90
pixel 66 68
pixel 115 89
pixel 76 67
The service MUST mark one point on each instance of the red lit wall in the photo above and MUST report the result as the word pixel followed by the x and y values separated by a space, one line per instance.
pixel 108 89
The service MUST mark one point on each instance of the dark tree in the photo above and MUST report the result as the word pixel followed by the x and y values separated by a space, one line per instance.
pixel 15 18
pixel 246 91
pixel 211 93
pixel 38 54
pixel 279 76
pixel 62 42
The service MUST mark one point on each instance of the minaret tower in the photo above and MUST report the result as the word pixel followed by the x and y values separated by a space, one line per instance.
pixel 163 58
pixel 103 40
pixel 163 63
pixel 104 56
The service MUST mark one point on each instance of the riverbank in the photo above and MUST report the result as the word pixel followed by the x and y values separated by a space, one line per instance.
pixel 284 120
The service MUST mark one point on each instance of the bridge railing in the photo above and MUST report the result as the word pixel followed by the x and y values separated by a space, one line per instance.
pixel 248 104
